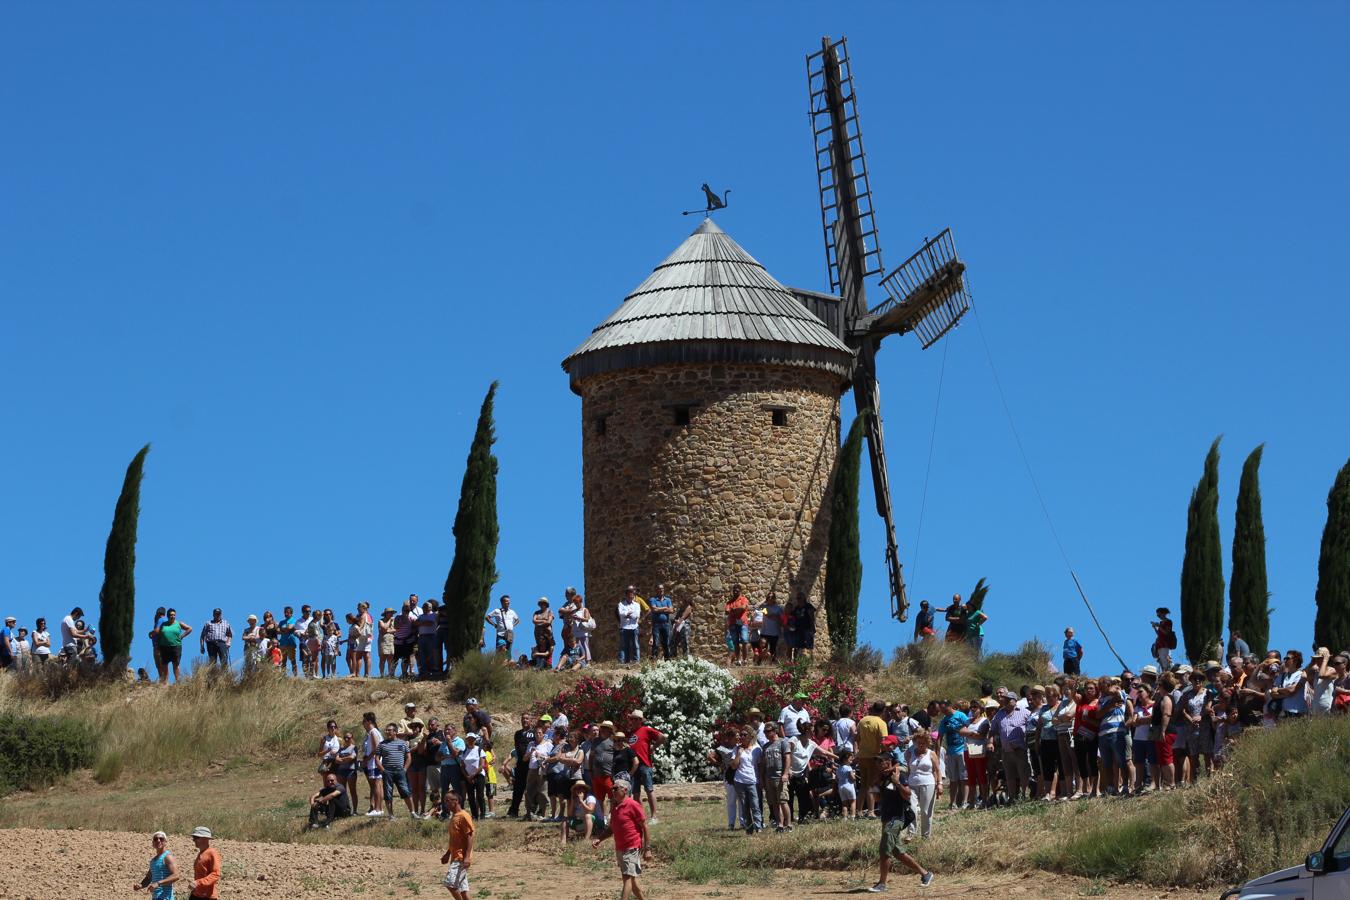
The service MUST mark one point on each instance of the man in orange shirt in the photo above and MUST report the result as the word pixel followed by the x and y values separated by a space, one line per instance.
pixel 459 854
pixel 205 883
pixel 738 628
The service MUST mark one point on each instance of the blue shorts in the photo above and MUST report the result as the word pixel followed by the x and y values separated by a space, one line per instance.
pixel 1145 753
pixel 644 779
pixel 1111 749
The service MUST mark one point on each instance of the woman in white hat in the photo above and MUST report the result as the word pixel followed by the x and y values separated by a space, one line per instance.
pixel 162 872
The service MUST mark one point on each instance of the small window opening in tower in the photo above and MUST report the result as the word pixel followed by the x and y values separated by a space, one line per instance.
pixel 601 423
pixel 780 418
pixel 681 415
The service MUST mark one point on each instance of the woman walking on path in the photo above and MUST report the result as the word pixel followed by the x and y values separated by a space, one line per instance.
pixel 163 871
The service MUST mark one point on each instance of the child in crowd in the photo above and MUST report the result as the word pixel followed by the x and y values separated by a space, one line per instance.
pixel 488 759
pixel 845 785
pixel 332 643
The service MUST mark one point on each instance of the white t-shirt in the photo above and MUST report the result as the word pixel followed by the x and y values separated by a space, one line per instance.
pixel 46 638
pixel 791 720
pixel 67 631
pixel 629 614
pixel 1323 695
pixel 504 620
pixel 844 730
pixel 471 761
pixel 801 756
pixel 1295 702
pixel 745 768
pixel 921 767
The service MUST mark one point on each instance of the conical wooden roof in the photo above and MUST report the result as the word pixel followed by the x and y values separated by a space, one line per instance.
pixel 709 301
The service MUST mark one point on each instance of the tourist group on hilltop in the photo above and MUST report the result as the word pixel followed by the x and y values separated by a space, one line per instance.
pixel 413 641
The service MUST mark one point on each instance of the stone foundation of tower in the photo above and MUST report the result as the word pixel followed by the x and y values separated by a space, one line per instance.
pixel 702 477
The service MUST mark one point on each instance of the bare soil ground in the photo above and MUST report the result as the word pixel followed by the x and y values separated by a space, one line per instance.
pixel 106 864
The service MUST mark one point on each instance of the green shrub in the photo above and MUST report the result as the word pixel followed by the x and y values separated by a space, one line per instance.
pixel 37 751
pixel 479 675
pixel 109 767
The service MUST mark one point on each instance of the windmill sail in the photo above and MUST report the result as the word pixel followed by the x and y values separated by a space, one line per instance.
pixel 852 252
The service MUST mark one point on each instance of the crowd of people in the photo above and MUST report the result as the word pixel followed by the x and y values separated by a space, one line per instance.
pixel 1074 737
pixel 413 641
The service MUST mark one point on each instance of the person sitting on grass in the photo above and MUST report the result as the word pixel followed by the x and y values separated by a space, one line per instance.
pixel 896 817
pixel 542 656
pixel 571 657
pixel 328 803
pixel 583 815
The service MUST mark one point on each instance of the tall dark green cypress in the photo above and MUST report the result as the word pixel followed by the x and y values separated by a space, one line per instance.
pixel 117 598
pixel 473 571
pixel 1202 568
pixel 843 571
pixel 1332 629
pixel 1248 595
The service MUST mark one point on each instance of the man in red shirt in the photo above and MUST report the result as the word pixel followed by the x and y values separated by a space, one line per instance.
pixel 628 827
pixel 643 738
pixel 738 628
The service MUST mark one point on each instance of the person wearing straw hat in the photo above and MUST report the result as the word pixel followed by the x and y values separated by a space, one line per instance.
pixel 583 812
pixel 163 871
pixel 205 883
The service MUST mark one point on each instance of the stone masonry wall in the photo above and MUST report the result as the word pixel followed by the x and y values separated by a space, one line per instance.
pixel 729 498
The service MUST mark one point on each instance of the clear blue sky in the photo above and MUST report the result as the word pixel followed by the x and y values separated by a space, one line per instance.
pixel 291 246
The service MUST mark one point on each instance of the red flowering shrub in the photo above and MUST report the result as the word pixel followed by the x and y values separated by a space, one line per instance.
pixel 770 693
pixel 593 699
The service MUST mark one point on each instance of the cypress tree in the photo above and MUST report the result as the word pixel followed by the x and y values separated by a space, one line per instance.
pixel 843 573
pixel 117 598
pixel 1248 596
pixel 1332 628
pixel 1202 567
pixel 473 571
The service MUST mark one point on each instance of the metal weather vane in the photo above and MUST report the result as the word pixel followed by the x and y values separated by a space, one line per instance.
pixel 715 202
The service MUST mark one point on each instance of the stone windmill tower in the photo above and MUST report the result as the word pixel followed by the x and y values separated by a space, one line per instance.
pixel 710 411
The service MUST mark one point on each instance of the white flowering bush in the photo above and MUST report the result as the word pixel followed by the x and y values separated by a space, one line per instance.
pixel 684 699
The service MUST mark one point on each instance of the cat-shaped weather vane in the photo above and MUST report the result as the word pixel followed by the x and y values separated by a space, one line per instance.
pixel 714 202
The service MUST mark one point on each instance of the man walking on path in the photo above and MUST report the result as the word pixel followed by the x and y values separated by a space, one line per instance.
pixel 459 852
pixel 896 816
pixel 632 846
pixel 216 638
pixel 205 883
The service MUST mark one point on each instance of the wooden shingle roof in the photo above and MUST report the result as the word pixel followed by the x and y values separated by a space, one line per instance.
pixel 709 301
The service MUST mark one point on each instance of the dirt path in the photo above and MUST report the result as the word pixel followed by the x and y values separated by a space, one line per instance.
pixel 103 864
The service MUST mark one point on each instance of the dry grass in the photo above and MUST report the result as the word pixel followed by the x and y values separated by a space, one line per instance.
pixel 240 756
pixel 938 670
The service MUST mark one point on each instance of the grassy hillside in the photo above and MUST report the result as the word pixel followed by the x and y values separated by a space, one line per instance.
pixel 241 757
